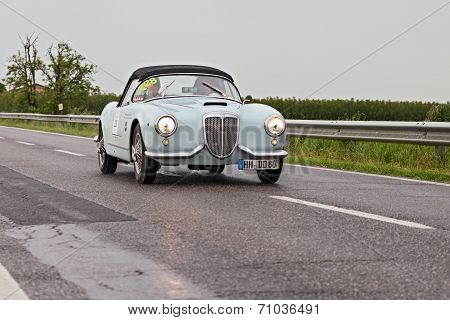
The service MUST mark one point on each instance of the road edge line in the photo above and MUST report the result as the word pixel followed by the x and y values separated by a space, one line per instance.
pixel 10 289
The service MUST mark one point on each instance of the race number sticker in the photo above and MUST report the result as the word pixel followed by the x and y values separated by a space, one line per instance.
pixel 149 82
pixel 145 85
pixel 115 127
pixel 142 90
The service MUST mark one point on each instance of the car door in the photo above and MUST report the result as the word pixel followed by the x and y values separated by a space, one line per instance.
pixel 121 122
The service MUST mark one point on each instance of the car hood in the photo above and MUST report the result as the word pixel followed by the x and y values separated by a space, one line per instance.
pixel 190 111
pixel 195 105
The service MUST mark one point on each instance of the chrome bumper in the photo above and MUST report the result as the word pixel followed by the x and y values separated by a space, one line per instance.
pixel 198 149
pixel 175 155
pixel 264 154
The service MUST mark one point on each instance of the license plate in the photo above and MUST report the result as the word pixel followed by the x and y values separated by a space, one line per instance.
pixel 258 164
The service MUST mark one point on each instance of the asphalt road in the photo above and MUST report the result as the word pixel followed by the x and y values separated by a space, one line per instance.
pixel 68 232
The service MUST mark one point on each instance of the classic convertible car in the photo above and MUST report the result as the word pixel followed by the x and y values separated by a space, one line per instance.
pixel 189 115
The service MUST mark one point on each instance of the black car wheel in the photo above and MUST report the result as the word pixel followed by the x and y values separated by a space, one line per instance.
pixel 270 176
pixel 107 163
pixel 145 169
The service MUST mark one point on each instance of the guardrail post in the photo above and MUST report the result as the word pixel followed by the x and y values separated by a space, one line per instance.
pixel 439 153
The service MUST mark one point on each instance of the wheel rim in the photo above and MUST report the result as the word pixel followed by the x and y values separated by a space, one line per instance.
pixel 101 153
pixel 136 151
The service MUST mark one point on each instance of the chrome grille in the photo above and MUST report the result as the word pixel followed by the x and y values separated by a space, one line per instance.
pixel 221 134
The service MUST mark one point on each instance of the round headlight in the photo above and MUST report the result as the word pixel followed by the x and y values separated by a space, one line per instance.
pixel 275 125
pixel 166 125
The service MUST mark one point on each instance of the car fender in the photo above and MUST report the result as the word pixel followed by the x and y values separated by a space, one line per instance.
pixel 253 134
pixel 145 117
pixel 106 119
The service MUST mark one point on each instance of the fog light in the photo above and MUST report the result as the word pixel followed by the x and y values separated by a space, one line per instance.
pixel 165 142
pixel 274 142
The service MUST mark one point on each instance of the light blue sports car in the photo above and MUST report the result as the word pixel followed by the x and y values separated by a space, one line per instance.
pixel 189 115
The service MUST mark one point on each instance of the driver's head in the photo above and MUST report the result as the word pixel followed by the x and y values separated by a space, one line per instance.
pixel 153 87
pixel 200 88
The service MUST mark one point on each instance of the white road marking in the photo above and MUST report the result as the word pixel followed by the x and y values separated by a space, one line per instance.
pixel 9 289
pixel 2 138
pixel 26 143
pixel 71 153
pixel 354 213
pixel 53 133
pixel 370 175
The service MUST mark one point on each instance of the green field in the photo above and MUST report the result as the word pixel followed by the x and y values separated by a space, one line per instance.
pixel 401 160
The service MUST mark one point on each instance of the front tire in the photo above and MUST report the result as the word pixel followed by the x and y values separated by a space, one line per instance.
pixel 216 169
pixel 145 169
pixel 270 176
pixel 107 163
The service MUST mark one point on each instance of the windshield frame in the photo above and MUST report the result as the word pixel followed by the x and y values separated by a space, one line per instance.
pixel 184 96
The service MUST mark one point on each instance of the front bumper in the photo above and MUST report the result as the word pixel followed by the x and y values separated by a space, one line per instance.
pixel 263 154
pixel 201 156
pixel 175 155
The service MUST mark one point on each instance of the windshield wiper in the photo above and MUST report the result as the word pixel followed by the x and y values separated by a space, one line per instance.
pixel 167 87
pixel 214 88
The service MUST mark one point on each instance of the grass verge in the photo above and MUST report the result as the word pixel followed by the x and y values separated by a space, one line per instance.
pixel 410 161
pixel 74 129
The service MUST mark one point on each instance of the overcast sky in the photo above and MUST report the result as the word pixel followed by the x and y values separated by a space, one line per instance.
pixel 272 48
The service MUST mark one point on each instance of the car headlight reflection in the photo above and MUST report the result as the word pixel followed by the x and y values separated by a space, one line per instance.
pixel 275 125
pixel 166 125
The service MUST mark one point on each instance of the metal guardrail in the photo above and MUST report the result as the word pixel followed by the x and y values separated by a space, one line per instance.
pixel 423 133
pixel 50 117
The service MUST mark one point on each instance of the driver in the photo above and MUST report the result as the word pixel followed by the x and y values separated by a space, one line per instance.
pixel 152 88
pixel 204 90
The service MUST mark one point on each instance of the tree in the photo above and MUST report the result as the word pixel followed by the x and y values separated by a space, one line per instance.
pixel 2 88
pixel 22 69
pixel 67 74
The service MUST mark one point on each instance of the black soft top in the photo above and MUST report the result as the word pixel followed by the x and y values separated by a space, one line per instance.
pixel 146 72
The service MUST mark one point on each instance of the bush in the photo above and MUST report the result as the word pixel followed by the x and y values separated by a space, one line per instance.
pixel 94 104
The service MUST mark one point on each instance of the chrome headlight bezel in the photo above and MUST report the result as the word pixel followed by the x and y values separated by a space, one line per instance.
pixel 159 131
pixel 267 125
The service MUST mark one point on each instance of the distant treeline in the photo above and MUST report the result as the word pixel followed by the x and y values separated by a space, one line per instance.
pixel 291 108
pixel 81 103
pixel 365 110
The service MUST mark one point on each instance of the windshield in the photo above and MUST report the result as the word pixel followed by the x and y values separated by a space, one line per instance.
pixel 183 86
